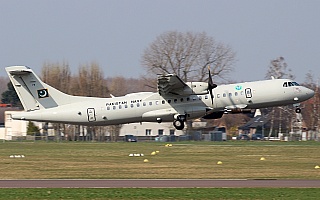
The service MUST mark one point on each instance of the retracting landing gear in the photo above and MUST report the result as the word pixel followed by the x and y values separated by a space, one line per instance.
pixel 297 106
pixel 178 123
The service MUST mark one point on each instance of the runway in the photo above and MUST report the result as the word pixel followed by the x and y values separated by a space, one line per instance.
pixel 158 183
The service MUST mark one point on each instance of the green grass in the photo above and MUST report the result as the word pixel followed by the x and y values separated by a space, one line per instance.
pixel 240 159
pixel 284 160
pixel 165 193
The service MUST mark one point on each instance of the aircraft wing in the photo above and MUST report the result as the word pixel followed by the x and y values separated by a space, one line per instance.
pixel 171 84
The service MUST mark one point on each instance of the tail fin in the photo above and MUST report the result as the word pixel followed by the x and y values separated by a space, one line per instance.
pixel 33 93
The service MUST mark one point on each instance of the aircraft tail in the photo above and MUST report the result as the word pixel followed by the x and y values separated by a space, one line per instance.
pixel 33 93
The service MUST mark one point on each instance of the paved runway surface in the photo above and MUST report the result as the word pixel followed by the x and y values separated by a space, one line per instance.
pixel 158 183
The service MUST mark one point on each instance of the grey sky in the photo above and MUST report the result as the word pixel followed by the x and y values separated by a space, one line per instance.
pixel 114 33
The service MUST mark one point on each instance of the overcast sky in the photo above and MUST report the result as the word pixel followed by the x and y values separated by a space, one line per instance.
pixel 114 33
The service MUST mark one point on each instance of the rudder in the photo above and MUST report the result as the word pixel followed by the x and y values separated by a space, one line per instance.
pixel 33 93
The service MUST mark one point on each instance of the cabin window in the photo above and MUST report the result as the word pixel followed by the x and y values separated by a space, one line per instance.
pixel 144 104
pixel 224 95
pixel 236 94
pixel 150 103
pixel 181 99
pixel 218 95
pixel 188 98
pixel 120 106
pixel 169 100
pixel 114 107
pixel 175 100
pixel 108 108
pixel 200 97
pixel 138 104
pixel 230 94
pixel 163 101
pixel 206 97
pixel 131 105
pixel 126 106
pixel 157 102
pixel 194 98
pixel 241 92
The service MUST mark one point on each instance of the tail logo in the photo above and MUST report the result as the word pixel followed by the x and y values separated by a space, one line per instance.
pixel 43 93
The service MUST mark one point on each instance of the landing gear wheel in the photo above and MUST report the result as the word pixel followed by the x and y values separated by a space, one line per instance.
pixel 298 110
pixel 178 124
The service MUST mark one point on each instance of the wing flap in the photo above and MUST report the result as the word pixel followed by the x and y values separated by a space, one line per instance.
pixel 170 84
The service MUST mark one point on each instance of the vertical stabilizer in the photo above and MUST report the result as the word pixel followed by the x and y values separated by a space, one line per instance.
pixel 33 93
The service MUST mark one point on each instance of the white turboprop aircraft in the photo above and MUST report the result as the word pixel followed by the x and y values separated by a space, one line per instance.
pixel 175 101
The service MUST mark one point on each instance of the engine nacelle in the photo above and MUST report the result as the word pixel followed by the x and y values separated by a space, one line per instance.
pixel 198 87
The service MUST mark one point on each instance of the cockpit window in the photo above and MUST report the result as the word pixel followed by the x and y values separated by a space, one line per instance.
pixel 295 84
pixel 290 84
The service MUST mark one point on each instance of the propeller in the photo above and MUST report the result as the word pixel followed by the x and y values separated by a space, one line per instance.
pixel 211 85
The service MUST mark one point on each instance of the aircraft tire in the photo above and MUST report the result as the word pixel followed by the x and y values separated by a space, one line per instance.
pixel 178 124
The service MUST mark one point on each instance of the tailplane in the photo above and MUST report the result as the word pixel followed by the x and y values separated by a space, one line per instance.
pixel 35 94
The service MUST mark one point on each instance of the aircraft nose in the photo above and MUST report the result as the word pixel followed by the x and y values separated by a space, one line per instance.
pixel 309 93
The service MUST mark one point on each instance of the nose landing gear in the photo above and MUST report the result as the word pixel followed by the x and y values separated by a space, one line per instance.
pixel 298 110
pixel 297 106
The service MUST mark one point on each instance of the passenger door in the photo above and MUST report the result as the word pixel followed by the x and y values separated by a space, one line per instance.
pixel 248 93
pixel 91 114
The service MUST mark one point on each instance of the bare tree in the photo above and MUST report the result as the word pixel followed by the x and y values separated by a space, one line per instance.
pixel 90 81
pixel 120 85
pixel 311 106
pixel 278 68
pixel 57 75
pixel 188 55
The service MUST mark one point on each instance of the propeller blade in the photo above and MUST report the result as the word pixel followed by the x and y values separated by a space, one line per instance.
pixel 211 85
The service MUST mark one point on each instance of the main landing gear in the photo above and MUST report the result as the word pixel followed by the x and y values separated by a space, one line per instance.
pixel 178 123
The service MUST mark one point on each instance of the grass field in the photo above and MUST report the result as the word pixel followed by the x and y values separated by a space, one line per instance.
pixel 283 160
pixel 165 193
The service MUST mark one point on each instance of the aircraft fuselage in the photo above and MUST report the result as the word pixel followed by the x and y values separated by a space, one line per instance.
pixel 153 107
